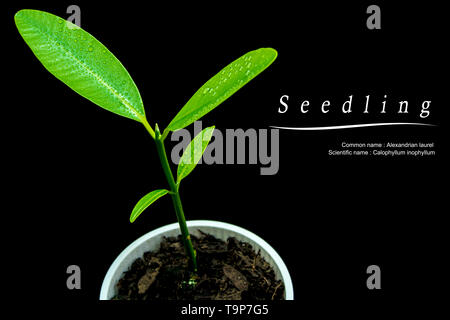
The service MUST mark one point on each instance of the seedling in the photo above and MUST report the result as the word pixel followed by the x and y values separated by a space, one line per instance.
pixel 85 65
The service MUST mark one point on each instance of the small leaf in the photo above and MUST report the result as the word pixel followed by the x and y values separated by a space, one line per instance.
pixel 146 201
pixel 193 153
pixel 80 61
pixel 222 86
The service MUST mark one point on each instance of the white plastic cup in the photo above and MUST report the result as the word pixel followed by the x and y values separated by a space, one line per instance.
pixel 221 230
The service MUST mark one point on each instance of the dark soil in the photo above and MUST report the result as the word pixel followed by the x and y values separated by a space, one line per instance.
pixel 229 270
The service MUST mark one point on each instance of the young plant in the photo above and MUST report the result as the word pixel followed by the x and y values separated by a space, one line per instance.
pixel 85 65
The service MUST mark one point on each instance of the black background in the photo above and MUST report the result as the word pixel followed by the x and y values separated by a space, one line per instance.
pixel 77 170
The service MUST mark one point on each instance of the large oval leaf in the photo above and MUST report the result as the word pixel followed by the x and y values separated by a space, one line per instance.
pixel 146 201
pixel 80 61
pixel 223 85
pixel 193 153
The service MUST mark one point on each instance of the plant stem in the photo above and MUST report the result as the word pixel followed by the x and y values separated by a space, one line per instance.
pixel 148 127
pixel 176 199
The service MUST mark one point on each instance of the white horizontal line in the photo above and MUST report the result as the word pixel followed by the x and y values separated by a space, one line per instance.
pixel 357 126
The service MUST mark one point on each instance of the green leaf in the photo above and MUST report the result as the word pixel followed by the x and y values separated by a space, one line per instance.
pixel 145 201
pixel 222 86
pixel 80 61
pixel 193 153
